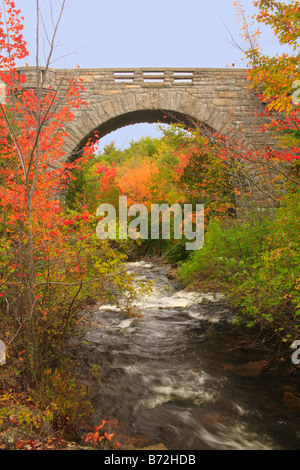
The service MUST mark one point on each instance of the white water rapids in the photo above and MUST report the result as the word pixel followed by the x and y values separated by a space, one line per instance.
pixel 168 378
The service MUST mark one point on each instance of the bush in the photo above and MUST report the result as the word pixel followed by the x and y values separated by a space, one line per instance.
pixel 229 250
pixel 257 264
pixel 64 399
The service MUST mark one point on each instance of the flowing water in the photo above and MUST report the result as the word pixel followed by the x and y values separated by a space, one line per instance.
pixel 175 377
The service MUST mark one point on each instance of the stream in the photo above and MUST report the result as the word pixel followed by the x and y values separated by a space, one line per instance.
pixel 175 376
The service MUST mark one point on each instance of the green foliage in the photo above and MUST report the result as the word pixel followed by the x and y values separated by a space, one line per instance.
pixel 258 264
pixel 76 189
pixel 228 247
pixel 111 154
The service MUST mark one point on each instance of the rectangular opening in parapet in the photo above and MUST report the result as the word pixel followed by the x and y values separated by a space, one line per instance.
pixel 186 74
pixel 129 74
pixel 124 76
pixel 183 77
pixel 155 72
pixel 155 76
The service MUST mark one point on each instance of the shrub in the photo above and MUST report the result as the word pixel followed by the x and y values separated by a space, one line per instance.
pixel 257 264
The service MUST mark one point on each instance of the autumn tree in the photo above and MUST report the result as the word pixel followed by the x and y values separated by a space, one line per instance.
pixel 136 181
pixel 261 175
pixel 275 79
pixel 255 258
pixel 51 259
pixel 277 76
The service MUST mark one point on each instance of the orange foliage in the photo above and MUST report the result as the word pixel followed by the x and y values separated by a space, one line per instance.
pixel 137 182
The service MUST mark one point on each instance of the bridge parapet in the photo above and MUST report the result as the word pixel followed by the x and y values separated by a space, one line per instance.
pixel 146 76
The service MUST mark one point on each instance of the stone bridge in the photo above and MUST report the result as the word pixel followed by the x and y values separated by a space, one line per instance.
pixel 216 99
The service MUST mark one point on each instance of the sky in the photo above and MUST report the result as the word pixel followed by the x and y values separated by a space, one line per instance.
pixel 141 33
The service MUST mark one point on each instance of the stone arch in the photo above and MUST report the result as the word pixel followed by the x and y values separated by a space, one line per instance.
pixel 154 105
pixel 165 106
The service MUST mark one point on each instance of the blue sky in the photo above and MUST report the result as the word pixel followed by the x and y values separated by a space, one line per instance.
pixel 136 33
